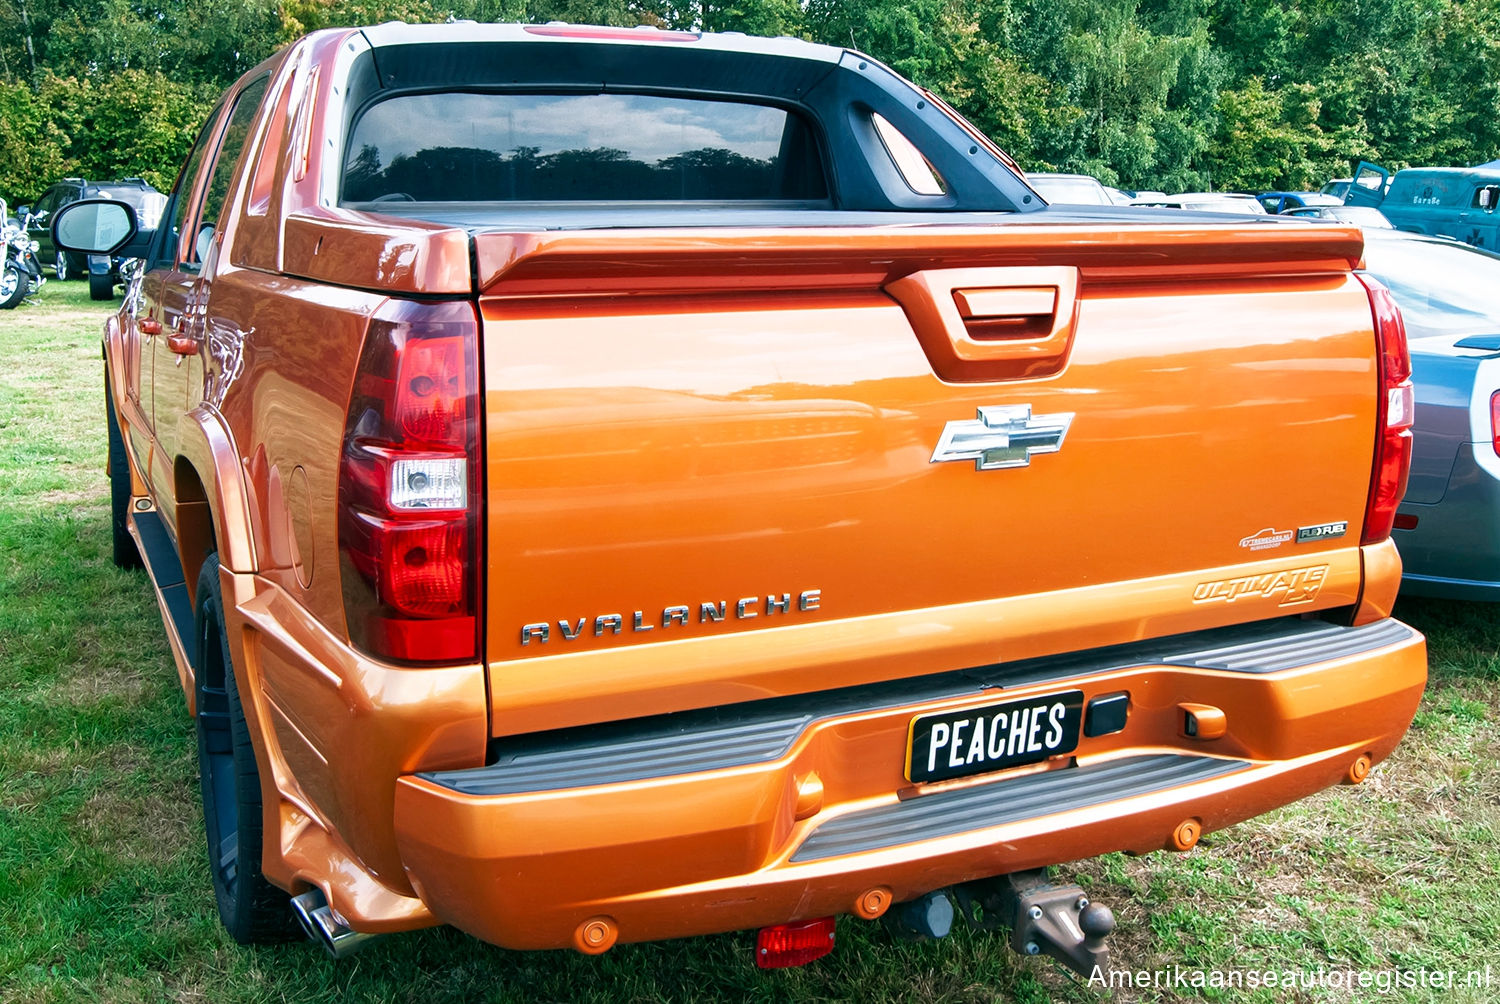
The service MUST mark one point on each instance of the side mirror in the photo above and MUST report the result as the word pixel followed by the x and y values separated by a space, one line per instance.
pixel 93 226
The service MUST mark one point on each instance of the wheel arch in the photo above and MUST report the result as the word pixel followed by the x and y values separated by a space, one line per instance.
pixel 213 512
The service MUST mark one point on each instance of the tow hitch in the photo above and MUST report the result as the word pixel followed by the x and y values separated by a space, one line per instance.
pixel 1044 919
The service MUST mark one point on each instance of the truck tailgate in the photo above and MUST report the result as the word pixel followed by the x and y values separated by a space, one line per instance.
pixel 724 465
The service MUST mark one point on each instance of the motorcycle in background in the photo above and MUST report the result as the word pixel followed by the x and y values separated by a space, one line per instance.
pixel 20 272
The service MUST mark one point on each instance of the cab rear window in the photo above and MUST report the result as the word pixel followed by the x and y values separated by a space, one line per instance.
pixel 506 147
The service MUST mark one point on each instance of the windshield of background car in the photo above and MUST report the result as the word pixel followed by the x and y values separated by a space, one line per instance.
pixel 462 147
pixel 1440 289
pixel 1072 191
pixel 1242 206
pixel 148 205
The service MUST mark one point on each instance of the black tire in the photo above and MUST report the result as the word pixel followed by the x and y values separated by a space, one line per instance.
pixel 13 285
pixel 252 910
pixel 126 554
pixel 101 286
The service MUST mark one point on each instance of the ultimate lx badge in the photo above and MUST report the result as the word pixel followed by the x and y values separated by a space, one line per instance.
pixel 1289 587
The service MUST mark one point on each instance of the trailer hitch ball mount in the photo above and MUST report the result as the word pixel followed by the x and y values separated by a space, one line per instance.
pixel 1044 919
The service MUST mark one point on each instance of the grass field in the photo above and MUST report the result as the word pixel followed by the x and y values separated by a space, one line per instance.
pixel 104 892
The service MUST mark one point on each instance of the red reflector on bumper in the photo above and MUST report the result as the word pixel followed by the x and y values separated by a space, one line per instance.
pixel 1405 521
pixel 793 944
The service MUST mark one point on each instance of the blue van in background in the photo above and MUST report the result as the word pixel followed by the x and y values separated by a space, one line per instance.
pixel 1458 202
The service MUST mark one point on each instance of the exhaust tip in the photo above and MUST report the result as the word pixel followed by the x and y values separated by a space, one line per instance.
pixel 320 923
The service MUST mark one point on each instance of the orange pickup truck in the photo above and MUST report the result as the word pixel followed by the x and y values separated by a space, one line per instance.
pixel 611 485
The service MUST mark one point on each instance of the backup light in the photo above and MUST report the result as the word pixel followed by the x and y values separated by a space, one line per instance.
pixel 430 483
pixel 786 945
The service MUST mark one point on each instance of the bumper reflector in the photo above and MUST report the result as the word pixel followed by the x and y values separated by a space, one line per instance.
pixel 798 944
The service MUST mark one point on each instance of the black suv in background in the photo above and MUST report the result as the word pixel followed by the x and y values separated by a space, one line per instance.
pixel 103 273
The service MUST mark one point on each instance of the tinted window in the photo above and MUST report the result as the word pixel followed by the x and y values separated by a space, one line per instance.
pixel 916 170
pixel 458 147
pixel 1428 190
pixel 235 135
pixel 48 202
pixel 146 202
pixel 182 194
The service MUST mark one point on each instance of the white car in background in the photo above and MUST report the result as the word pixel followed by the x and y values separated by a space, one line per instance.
pixel 1208 202
pixel 1070 189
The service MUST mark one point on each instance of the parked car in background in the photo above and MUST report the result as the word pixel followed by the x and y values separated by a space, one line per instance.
pixel 1448 525
pixel 1119 196
pixel 1280 202
pixel 1458 202
pixel 147 202
pixel 1364 216
pixel 1336 187
pixel 1070 189
pixel 1210 202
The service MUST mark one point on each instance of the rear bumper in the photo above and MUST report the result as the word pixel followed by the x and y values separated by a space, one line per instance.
pixel 790 809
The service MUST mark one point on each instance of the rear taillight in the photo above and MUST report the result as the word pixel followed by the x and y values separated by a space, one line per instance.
pixel 1395 414
pixel 1495 421
pixel 409 486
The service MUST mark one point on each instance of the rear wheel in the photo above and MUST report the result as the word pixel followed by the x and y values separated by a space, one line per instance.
pixel 251 909
pixel 101 286
pixel 126 554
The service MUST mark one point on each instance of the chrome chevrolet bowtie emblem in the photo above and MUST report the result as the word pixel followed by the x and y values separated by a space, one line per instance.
pixel 1002 437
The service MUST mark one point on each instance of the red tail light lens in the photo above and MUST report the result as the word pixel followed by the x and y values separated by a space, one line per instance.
pixel 409 486
pixel 793 944
pixel 1396 412
pixel 431 397
pixel 1495 421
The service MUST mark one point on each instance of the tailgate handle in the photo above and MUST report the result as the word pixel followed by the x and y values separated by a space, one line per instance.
pixel 983 324
pixel 1023 301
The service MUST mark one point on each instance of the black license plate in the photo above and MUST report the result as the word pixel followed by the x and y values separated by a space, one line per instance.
pixel 976 740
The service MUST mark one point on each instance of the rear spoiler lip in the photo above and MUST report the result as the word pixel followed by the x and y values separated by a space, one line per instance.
pixel 676 260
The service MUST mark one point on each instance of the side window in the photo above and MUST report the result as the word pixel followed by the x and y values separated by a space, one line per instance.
pixel 920 176
pixel 182 196
pixel 236 133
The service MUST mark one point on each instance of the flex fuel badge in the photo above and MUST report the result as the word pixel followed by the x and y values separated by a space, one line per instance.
pixel 1322 531
pixel 1289 587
